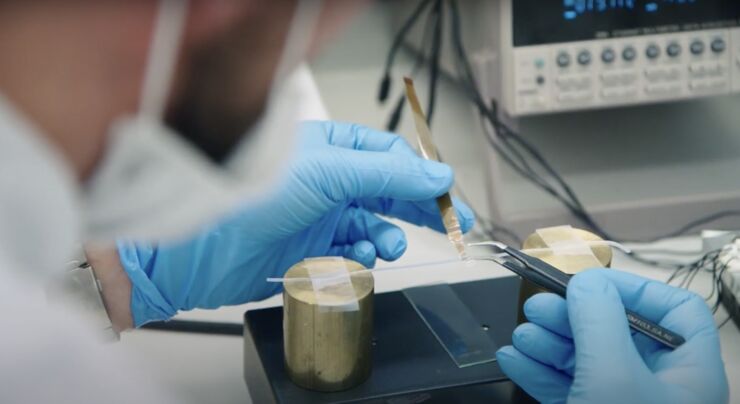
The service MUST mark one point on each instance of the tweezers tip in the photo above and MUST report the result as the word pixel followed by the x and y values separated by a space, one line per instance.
pixel 496 244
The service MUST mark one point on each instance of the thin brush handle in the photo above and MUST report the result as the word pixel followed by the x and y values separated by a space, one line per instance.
pixel 429 151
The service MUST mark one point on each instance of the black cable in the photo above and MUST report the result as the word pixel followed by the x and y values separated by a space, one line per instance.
pixel 489 227
pixel 711 262
pixel 666 251
pixel 510 145
pixel 521 168
pixel 198 327
pixel 434 68
pixel 397 112
pixel 465 71
pixel 385 82
pixel 698 222
pixel 434 76
pixel 490 114
pixel 574 204
pixel 395 117
pixel 438 15
pixel 568 197
pixel 725 321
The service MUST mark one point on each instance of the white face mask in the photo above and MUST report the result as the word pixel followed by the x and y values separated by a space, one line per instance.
pixel 154 185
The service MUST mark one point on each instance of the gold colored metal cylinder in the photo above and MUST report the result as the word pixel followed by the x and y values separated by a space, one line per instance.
pixel 568 264
pixel 328 324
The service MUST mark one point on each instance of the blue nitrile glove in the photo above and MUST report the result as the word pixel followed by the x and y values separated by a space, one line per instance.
pixel 580 350
pixel 342 176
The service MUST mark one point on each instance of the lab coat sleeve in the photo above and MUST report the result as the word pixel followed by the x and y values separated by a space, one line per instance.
pixel 313 107
pixel 52 355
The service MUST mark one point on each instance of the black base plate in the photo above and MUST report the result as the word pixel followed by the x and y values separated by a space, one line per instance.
pixel 409 364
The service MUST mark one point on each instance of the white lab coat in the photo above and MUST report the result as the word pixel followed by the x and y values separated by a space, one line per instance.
pixel 53 354
pixel 50 354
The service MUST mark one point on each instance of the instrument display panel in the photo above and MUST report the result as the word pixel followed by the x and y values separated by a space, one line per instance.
pixel 538 22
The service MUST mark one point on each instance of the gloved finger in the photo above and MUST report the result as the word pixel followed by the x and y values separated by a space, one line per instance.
pixel 361 251
pixel 667 305
pixel 550 311
pixel 344 175
pixel 545 384
pixel 600 331
pixel 357 224
pixel 422 213
pixel 545 347
pixel 353 136
pixel 647 347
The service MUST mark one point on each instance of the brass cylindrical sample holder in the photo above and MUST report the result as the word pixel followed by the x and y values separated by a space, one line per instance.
pixel 566 263
pixel 328 323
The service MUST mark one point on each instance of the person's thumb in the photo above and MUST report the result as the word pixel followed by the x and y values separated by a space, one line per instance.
pixel 348 174
pixel 601 334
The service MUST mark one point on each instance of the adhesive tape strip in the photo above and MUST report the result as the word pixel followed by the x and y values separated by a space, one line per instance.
pixel 333 287
pixel 563 241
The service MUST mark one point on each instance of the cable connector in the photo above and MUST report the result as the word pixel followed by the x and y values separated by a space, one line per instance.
pixel 395 118
pixel 385 88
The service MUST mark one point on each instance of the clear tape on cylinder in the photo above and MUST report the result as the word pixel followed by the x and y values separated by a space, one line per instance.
pixel 333 291
pixel 571 245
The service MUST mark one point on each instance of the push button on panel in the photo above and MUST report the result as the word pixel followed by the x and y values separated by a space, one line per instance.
pixel 629 53
pixel 697 47
pixel 584 58
pixel 563 59
pixel 674 49
pixel 608 56
pixel 718 45
pixel 652 51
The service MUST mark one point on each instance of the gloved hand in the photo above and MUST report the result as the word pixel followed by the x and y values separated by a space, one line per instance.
pixel 342 176
pixel 580 350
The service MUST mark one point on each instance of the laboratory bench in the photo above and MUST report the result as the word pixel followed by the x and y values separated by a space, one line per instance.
pixel 209 368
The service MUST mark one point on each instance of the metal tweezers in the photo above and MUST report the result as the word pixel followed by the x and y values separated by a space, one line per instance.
pixel 556 281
